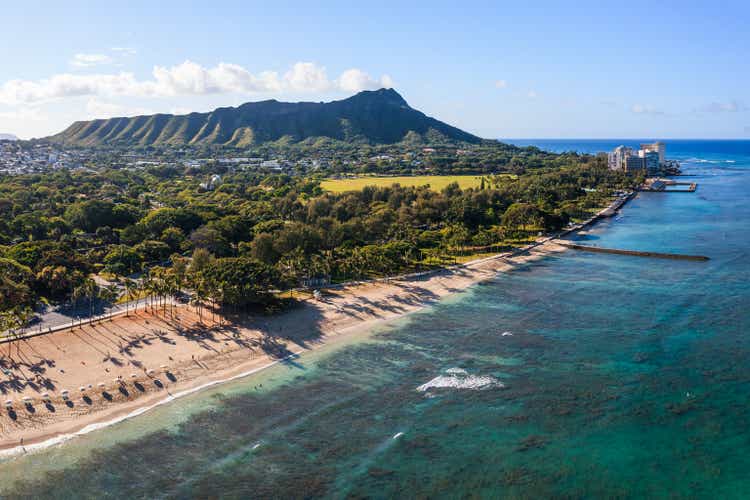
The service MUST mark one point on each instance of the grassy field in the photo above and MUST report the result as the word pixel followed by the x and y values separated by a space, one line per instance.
pixel 436 182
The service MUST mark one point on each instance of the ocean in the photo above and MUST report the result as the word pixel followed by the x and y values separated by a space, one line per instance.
pixel 582 375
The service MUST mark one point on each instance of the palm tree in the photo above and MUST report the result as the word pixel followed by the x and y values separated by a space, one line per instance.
pixel 130 287
pixel 151 285
pixel 92 291
pixel 172 288
pixel 214 295
pixel 199 297
pixel 9 322
pixel 157 285
pixel 24 314
pixel 145 287
pixel 179 273
pixel 5 321
pixel 110 294
pixel 78 293
pixel 292 268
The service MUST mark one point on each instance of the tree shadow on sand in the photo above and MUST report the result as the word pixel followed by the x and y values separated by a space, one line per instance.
pixel 298 324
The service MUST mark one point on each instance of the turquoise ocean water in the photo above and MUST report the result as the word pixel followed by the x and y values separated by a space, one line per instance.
pixel 584 376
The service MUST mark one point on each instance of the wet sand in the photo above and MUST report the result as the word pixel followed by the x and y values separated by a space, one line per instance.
pixel 188 352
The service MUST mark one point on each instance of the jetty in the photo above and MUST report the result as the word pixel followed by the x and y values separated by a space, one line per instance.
pixel 636 253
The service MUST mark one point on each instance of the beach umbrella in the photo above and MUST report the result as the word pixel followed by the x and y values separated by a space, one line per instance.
pixel 133 375
pixel 9 403
pixel 101 385
pixel 151 372
pixel 45 396
pixel 27 399
pixel 164 367
pixel 82 388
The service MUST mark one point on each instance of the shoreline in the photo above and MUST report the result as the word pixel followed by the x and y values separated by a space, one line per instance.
pixel 339 314
pixel 333 318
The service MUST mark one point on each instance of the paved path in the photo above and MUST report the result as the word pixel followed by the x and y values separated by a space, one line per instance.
pixel 65 315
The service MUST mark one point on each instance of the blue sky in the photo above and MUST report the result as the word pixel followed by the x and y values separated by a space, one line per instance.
pixel 498 69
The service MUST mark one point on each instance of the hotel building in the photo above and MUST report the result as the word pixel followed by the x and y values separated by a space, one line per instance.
pixel 650 158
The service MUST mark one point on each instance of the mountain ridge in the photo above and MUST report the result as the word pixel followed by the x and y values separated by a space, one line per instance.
pixel 378 117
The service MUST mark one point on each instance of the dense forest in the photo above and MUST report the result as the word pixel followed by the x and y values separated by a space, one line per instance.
pixel 159 230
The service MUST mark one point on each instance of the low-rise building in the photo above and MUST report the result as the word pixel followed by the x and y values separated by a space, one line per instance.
pixel 651 160
pixel 634 164
pixel 656 147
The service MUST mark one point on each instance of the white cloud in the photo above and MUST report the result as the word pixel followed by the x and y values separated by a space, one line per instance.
pixel 25 113
pixel 645 109
pixel 501 84
pixel 66 85
pixel 188 78
pixel 356 80
pixel 724 107
pixel 88 60
pixel 307 76
pixel 531 94
pixel 96 108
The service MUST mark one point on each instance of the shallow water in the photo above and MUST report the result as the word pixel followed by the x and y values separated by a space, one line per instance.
pixel 621 377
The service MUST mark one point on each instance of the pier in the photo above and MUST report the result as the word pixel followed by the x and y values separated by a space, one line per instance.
pixel 635 253
pixel 661 185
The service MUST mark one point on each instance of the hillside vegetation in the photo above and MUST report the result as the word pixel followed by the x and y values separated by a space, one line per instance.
pixel 374 117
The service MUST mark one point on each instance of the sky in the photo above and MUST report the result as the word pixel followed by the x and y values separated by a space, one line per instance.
pixel 538 69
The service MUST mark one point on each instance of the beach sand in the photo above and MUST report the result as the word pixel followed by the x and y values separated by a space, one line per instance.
pixel 196 352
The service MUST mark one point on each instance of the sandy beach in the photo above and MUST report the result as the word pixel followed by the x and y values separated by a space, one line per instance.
pixel 186 352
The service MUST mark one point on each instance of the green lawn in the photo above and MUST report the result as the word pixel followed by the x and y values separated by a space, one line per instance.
pixel 436 182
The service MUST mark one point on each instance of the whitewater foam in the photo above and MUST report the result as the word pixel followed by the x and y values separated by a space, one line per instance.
pixel 458 378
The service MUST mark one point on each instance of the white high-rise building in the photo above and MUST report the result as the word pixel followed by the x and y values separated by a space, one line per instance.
pixel 650 157
pixel 616 159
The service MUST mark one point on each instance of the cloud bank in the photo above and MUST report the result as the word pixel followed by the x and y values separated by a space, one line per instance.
pixel 188 78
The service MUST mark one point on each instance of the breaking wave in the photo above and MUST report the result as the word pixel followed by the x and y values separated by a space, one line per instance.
pixel 458 378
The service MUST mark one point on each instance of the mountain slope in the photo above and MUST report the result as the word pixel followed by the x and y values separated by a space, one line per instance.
pixel 378 117
pixel 8 137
